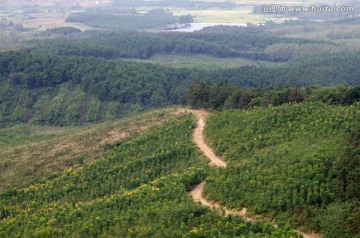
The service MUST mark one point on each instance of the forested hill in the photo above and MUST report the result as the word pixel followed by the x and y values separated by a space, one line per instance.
pixel 45 88
pixel 246 43
pixel 58 90
pixel 296 164
pixel 325 69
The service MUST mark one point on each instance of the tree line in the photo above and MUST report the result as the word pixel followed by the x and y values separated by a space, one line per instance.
pixel 225 96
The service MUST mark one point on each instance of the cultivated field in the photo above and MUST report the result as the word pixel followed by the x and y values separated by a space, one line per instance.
pixel 237 15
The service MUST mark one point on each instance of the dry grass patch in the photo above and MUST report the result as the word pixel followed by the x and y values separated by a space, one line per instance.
pixel 41 150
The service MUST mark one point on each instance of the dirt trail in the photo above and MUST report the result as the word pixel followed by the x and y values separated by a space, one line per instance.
pixel 199 139
pixel 196 191
pixel 196 194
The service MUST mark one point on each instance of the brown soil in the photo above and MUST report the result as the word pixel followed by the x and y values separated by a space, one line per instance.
pixel 199 139
pixel 196 194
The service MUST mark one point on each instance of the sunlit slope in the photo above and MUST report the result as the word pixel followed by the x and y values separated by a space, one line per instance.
pixel 296 164
pixel 138 190
pixel 29 153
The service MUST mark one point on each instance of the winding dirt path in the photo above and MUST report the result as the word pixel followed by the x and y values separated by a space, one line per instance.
pixel 196 194
pixel 199 139
pixel 196 191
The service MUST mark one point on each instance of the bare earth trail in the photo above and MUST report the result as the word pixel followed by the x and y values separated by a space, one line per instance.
pixel 199 139
pixel 196 191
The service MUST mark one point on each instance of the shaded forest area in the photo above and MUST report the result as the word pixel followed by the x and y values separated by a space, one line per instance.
pixel 226 96
pixel 232 42
pixel 45 88
pixel 124 22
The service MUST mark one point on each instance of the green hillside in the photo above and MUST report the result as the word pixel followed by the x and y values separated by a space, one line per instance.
pixel 296 164
pixel 139 189
pixel 28 153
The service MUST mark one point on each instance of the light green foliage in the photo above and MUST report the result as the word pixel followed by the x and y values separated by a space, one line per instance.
pixel 336 218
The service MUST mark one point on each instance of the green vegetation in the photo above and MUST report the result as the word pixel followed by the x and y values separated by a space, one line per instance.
pixel 60 31
pixel 29 152
pixel 225 96
pixel 69 167
pixel 41 87
pixel 53 90
pixel 200 61
pixel 346 28
pixel 222 42
pixel 295 163
pixel 138 189
pixel 123 22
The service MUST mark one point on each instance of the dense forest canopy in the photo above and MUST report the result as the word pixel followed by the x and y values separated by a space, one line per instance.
pixel 123 22
pixel 230 43
pixel 42 87
pixel 225 96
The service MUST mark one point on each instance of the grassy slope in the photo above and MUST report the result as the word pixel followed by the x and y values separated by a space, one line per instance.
pixel 196 61
pixel 284 162
pixel 28 152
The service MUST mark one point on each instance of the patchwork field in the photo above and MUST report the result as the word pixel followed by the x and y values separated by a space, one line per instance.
pixel 61 3
pixel 237 15
pixel 42 14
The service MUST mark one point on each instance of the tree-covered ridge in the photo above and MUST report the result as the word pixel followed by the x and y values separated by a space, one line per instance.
pixel 295 163
pixel 58 90
pixel 144 45
pixel 340 29
pixel 42 87
pixel 138 190
pixel 322 69
pixel 123 22
pixel 225 96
